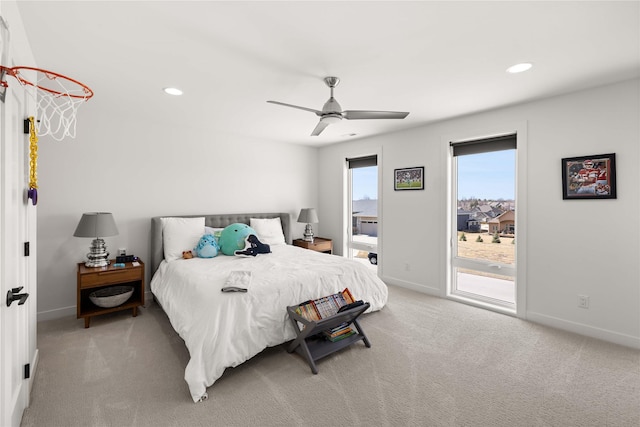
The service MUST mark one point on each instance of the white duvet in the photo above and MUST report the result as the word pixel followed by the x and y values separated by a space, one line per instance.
pixel 224 329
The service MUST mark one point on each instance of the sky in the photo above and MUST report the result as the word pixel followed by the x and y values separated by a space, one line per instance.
pixel 365 183
pixel 487 175
pixel 483 176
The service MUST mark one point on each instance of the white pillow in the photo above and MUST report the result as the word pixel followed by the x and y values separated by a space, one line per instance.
pixel 180 234
pixel 269 230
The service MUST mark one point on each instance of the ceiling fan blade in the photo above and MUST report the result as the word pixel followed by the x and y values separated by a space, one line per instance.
pixel 297 106
pixel 319 128
pixel 363 115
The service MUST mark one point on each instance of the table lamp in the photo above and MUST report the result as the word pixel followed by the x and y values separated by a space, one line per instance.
pixel 97 225
pixel 308 215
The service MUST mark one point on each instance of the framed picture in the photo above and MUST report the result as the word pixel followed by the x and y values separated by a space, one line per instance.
pixel 589 177
pixel 408 178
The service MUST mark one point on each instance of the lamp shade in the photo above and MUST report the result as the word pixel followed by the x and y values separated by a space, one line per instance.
pixel 308 215
pixel 96 224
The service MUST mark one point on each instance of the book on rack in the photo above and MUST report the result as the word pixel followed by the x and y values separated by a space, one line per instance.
pixel 324 307
pixel 337 331
pixel 340 328
pixel 341 336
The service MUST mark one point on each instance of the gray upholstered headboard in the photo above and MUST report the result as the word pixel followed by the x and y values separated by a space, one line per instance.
pixel 217 220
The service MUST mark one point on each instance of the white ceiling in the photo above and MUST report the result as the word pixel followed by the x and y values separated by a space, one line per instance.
pixel 436 60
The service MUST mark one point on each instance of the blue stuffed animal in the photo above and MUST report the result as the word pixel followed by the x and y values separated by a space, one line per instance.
pixel 207 247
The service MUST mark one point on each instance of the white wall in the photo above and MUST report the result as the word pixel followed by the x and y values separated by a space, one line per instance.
pixel 138 170
pixel 588 247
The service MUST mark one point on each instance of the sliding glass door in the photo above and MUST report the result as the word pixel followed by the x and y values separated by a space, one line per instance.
pixel 483 236
pixel 362 234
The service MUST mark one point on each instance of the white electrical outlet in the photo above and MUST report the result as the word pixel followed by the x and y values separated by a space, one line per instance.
pixel 583 301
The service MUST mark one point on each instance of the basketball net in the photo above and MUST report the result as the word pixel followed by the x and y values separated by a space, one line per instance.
pixel 57 100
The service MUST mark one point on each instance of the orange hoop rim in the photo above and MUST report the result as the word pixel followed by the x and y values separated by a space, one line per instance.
pixel 15 72
pixel 4 71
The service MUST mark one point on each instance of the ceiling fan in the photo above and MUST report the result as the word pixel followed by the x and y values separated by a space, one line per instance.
pixel 332 111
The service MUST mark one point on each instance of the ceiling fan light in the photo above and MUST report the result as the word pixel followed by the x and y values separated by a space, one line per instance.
pixel 331 119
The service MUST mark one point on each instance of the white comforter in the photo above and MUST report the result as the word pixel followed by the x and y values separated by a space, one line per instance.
pixel 223 329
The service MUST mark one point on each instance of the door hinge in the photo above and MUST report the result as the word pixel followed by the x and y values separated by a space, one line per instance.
pixel 26 248
pixel 27 371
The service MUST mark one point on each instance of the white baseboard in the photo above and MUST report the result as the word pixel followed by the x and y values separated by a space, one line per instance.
pixel 71 311
pixel 586 330
pixel 32 371
pixel 413 286
pixel 57 313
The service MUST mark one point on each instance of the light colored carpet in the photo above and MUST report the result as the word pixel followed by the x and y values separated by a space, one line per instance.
pixel 433 362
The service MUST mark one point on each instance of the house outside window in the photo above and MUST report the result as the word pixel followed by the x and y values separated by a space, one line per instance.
pixel 365 217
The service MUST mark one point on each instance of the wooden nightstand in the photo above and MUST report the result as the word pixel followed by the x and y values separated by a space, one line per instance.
pixel 319 244
pixel 93 278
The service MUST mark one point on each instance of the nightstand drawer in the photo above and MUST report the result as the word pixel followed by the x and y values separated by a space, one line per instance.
pixel 321 246
pixel 109 277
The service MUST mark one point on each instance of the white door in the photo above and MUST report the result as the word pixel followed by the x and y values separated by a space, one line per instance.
pixel 17 219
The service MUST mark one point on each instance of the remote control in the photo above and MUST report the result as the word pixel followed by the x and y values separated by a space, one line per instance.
pixel 233 289
pixel 350 306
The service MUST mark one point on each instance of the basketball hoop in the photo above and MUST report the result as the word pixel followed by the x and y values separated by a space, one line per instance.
pixel 58 99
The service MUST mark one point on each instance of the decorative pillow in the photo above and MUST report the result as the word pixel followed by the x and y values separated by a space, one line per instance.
pixel 233 237
pixel 180 234
pixel 268 230
pixel 207 247
pixel 213 230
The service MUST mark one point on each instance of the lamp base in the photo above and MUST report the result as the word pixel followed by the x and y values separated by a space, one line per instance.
pixel 98 255
pixel 308 233
pixel 101 263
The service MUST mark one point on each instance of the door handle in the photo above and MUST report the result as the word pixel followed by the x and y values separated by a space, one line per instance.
pixel 13 295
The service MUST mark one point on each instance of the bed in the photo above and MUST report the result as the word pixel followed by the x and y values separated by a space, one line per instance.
pixel 224 329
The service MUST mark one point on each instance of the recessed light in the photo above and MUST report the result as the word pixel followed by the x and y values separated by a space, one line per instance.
pixel 172 91
pixel 519 68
